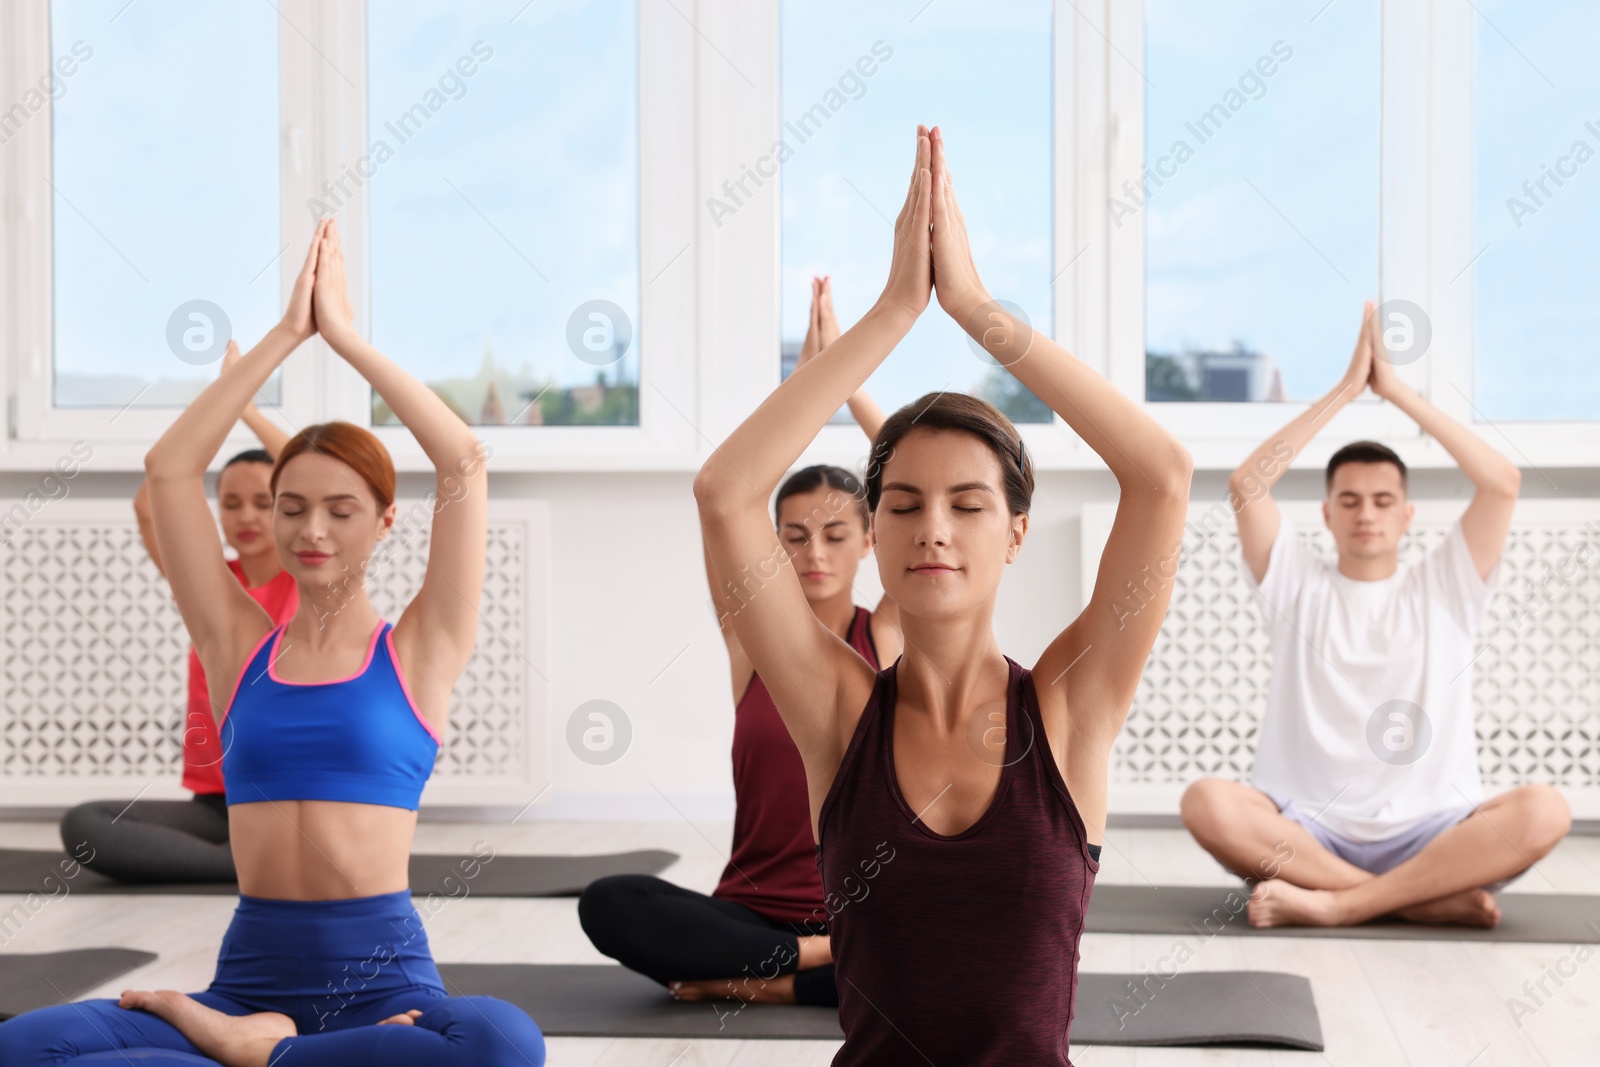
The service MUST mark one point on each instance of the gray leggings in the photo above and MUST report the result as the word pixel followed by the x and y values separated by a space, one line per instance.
pixel 153 840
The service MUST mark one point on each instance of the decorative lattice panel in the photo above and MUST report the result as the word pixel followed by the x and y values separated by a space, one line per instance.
pixel 94 655
pixel 1536 676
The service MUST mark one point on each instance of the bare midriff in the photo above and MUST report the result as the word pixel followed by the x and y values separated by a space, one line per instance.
pixel 320 849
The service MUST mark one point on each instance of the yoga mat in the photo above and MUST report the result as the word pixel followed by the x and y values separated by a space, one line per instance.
pixel 528 876
pixel 30 980
pixel 1200 1008
pixel 1204 911
pixel 55 873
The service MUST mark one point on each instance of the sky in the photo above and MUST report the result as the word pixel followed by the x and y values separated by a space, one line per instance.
pixel 983 73
pixel 1268 235
pixel 518 199
pixel 516 202
pixel 166 171
pixel 1536 92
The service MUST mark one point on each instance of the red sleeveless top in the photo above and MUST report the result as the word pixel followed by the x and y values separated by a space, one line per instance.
pixel 202 747
pixel 998 908
pixel 773 869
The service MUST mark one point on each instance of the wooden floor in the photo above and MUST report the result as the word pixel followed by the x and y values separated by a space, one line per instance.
pixel 1381 1002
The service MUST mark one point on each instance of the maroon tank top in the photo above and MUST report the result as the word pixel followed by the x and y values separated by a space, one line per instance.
pixel 773 869
pixel 960 949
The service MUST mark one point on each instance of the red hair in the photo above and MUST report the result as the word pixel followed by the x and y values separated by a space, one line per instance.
pixel 350 444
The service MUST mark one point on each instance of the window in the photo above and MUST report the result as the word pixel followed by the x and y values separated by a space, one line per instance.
pixel 525 188
pixel 1259 196
pixel 1536 135
pixel 505 207
pixel 856 79
pixel 164 182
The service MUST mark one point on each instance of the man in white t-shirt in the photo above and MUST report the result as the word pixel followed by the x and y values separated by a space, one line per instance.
pixel 1365 799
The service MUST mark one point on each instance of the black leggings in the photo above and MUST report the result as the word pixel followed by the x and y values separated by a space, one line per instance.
pixel 152 840
pixel 669 933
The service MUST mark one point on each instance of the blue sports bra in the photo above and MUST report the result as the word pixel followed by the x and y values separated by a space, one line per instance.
pixel 358 739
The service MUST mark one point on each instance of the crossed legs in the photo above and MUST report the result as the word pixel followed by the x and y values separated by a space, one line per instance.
pixel 152 840
pixel 1302 883
pixel 168 1029
pixel 703 947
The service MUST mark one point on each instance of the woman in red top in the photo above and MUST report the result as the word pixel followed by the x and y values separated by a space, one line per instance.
pixel 956 794
pixel 187 840
pixel 762 935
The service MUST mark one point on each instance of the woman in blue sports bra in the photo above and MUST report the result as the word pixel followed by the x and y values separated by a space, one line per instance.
pixel 330 724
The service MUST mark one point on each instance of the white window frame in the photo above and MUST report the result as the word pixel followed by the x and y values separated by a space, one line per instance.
pixel 1426 242
pixel 323 122
pixel 1052 445
pixel 709 331
pixel 1425 158
pixel 1220 434
pixel 36 430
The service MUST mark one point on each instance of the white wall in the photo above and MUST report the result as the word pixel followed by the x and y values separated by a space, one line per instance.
pixel 630 594
pixel 630 622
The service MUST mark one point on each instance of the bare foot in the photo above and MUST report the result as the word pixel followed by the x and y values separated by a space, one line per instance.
pixel 406 1018
pixel 779 990
pixel 1470 907
pixel 1279 903
pixel 232 1040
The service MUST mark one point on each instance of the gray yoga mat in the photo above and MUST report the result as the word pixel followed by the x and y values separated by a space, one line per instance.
pixel 501 875
pixel 1200 1008
pixel 1203 911
pixel 30 980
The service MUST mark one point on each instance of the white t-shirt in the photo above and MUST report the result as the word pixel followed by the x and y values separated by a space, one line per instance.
pixel 1353 661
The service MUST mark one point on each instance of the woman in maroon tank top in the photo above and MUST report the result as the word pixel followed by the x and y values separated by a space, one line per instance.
pixel 762 935
pixel 959 797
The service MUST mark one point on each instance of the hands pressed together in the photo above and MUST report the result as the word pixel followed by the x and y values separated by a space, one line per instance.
pixel 931 249
pixel 933 254
pixel 822 328
pixel 320 300
pixel 1370 364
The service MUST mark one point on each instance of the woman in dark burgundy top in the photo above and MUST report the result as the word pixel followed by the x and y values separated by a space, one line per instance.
pixel 763 933
pixel 958 795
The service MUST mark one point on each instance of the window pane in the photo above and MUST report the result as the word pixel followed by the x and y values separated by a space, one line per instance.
pixel 504 182
pixel 1260 196
pixel 1536 100
pixel 980 71
pixel 165 169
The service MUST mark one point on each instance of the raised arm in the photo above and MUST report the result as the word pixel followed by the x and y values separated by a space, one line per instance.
pixel 1496 480
pixel 1250 485
pixel 272 439
pixel 1114 633
pixel 436 633
pixel 147 525
pixel 821 332
pixel 739 667
pixel 799 659
pixel 222 619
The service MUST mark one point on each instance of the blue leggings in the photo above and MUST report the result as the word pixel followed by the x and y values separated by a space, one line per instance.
pixel 333 966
